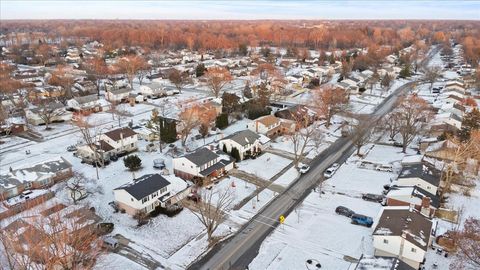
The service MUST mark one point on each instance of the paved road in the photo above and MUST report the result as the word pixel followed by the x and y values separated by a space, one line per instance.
pixel 242 248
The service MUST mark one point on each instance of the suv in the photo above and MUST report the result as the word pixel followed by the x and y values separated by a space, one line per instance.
pixel 362 220
pixel 344 211
pixel 330 171
pixel 372 197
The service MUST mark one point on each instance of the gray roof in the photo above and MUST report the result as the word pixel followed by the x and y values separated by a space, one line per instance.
pixel 86 99
pixel 201 156
pixel 409 224
pixel 243 137
pixel 420 171
pixel 145 185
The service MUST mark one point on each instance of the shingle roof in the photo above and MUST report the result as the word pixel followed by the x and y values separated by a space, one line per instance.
pixel 243 137
pixel 115 134
pixel 145 185
pixel 406 223
pixel 201 156
pixel 421 171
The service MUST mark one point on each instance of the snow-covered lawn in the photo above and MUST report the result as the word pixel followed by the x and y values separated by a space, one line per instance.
pixel 113 261
pixel 288 177
pixel 314 231
pixel 253 206
pixel 265 166
pixel 238 188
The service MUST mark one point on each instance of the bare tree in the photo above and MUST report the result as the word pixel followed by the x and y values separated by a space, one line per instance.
pixel 192 116
pixel 431 75
pixel 77 187
pixel 330 101
pixel 178 78
pixel 360 136
pixel 217 78
pixel 91 138
pixel 212 208
pixel 304 135
pixel 411 112
pixel 391 124
pixel 51 241
pixel 48 110
pixel 468 246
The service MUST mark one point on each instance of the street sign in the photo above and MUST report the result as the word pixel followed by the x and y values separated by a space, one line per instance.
pixel 282 219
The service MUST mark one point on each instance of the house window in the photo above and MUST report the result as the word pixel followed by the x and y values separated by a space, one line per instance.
pixel 132 144
pixel 162 190
pixel 28 185
pixel 414 250
pixel 385 241
pixel 154 195
pixel 144 200
pixel 131 199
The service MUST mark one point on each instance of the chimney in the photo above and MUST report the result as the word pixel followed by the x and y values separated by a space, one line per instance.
pixel 425 208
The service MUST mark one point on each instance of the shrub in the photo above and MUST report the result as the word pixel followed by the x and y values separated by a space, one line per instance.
pixel 132 162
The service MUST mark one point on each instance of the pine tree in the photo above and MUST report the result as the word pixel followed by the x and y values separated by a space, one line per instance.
pixel 235 154
pixel 225 148
pixel 221 121
pixel 132 162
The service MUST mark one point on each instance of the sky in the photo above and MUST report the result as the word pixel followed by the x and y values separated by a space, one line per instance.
pixel 239 9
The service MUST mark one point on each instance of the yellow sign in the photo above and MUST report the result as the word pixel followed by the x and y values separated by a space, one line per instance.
pixel 282 219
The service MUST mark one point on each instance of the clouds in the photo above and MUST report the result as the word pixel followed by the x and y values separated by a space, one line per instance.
pixel 193 10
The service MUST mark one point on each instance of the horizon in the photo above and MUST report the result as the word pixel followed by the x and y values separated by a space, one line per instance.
pixel 240 10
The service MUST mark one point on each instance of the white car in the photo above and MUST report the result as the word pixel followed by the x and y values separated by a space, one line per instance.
pixel 303 168
pixel 331 171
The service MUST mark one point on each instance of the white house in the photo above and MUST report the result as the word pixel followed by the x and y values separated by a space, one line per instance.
pixel 152 90
pixel 414 196
pixel 246 142
pixel 448 118
pixel 118 141
pixel 55 111
pixel 117 94
pixel 268 125
pixel 146 193
pixel 403 233
pixel 202 164
pixel 421 176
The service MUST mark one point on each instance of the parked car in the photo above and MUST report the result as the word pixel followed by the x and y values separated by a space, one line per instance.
pixel 159 163
pixel 303 169
pixel 385 168
pixel 71 148
pixel 362 220
pixel 331 171
pixel 114 157
pixel 372 197
pixel 344 211
pixel 397 144
pixel 110 243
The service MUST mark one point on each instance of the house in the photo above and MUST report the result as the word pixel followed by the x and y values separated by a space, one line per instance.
pixel 152 90
pixel 419 175
pixel 115 142
pixel 88 104
pixel 148 192
pixel 348 86
pixel 444 150
pixel 403 233
pixel 39 175
pixel 449 118
pixel 268 125
pixel 118 95
pixel 414 196
pixel 381 263
pixel 297 112
pixel 202 164
pixel 455 85
pixel 54 110
pixel 85 87
pixel 246 142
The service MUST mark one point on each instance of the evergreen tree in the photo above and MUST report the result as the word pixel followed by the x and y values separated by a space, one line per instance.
pixel 235 154
pixel 132 162
pixel 221 121
pixel 405 72
pixel 471 121
pixel 225 148
pixel 200 70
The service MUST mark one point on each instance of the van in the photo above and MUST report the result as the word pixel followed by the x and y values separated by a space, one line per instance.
pixel 110 243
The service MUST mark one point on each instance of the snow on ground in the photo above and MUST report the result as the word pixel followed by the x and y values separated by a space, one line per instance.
pixel 240 189
pixel 288 177
pixel 113 261
pixel 253 206
pixel 314 231
pixel 265 166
